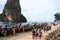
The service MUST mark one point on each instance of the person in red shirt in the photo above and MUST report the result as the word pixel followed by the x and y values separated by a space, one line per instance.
pixel 0 27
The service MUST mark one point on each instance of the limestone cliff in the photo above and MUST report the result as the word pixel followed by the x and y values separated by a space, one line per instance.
pixel 12 12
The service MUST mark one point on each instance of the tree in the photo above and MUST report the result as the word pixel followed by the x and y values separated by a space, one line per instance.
pixel 57 16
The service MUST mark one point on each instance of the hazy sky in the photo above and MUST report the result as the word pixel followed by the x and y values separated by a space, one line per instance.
pixel 37 10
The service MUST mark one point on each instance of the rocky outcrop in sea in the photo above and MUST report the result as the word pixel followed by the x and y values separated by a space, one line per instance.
pixel 12 12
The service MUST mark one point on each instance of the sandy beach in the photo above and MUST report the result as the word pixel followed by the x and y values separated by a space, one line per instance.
pixel 28 35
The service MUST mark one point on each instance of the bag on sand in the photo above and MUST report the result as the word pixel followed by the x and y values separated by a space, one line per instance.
pixel 48 28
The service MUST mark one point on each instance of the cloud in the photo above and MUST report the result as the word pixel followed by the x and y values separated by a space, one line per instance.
pixel 2 2
pixel 37 10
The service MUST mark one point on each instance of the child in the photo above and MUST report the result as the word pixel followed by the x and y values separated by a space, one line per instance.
pixel 40 34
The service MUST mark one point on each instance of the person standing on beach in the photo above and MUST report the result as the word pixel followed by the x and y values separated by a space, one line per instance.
pixel 45 26
pixel 40 34
pixel 4 29
pixel 19 25
pixel 36 33
pixel 33 33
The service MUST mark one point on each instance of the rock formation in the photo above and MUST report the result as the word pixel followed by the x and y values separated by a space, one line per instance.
pixel 12 12
pixel 54 35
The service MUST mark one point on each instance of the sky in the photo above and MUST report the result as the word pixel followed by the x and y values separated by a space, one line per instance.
pixel 37 10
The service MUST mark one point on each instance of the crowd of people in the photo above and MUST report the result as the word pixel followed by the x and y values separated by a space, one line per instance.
pixel 37 32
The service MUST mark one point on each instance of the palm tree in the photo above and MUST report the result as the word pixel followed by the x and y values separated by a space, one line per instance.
pixel 57 16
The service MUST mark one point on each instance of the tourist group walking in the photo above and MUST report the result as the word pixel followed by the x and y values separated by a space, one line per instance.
pixel 37 32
